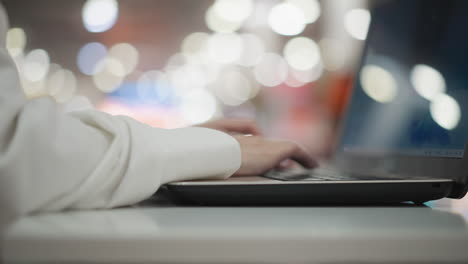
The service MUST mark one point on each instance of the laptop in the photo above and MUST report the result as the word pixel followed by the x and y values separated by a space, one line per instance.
pixel 406 126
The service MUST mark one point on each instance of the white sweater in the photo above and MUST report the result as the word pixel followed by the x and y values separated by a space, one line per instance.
pixel 50 160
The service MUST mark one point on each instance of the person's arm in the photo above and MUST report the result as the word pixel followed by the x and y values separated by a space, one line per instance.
pixel 53 161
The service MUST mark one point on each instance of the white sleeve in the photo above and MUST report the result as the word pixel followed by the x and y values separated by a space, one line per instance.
pixel 53 161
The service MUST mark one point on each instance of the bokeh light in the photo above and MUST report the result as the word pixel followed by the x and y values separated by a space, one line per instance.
pixel 195 43
pixel 307 76
pixel 16 41
pixel 302 53
pixel 224 47
pixel 427 81
pixel 218 24
pixel 445 111
pixel 112 66
pixel 234 11
pixel 198 106
pixel 378 83
pixel 291 81
pixel 286 19
pixel 272 70
pixel 106 80
pixel 209 68
pixel 252 51
pixel 36 65
pixel 100 15
pixel 56 81
pixel 33 89
pixel 187 78
pixel 310 8
pixel 62 85
pixel 89 57
pixel 357 23
pixel 127 55
pixel 233 87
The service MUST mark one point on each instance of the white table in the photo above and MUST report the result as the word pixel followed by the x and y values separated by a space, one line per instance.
pixel 171 234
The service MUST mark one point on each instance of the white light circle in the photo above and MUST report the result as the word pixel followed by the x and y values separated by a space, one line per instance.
pixel 357 23
pixel 112 66
pixel 427 81
pixel 110 77
pixel 225 48
pixel 16 41
pixel 445 111
pixel 234 11
pixel 34 89
pixel 195 43
pixel 378 83
pixel 253 50
pixel 218 24
pixel 293 82
pixel 100 15
pixel 127 55
pixel 36 65
pixel 233 88
pixel 286 19
pixel 302 53
pixel 310 8
pixel 188 77
pixel 306 76
pixel 198 106
pixel 89 57
pixel 56 82
pixel 62 85
pixel 271 71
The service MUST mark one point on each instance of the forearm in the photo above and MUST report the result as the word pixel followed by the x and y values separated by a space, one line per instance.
pixel 55 161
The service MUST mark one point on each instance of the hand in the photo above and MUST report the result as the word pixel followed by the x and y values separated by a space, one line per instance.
pixel 260 155
pixel 234 126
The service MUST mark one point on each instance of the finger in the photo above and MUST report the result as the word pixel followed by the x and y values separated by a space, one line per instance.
pixel 248 127
pixel 285 165
pixel 301 156
pixel 243 126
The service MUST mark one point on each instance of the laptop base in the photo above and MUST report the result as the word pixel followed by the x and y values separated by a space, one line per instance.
pixel 261 191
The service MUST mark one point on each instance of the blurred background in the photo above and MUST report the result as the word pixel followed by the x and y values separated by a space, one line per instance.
pixel 288 64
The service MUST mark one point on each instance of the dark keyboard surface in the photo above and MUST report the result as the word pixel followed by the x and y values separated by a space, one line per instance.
pixel 320 174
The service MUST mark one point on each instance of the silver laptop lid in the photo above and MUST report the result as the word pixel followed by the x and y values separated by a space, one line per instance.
pixel 409 108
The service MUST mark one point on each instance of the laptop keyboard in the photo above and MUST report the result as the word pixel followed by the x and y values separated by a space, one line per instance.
pixel 319 174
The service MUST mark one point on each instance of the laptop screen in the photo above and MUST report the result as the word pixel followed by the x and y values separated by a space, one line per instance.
pixel 411 93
